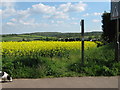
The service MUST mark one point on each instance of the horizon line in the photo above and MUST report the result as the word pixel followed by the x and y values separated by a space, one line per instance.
pixel 47 32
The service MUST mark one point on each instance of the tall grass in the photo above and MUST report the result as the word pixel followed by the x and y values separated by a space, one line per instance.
pixel 98 62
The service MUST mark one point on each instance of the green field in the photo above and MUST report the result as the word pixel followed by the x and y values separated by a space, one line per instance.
pixel 50 36
pixel 56 61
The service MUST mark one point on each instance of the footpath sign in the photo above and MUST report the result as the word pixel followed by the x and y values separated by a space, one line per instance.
pixel 115 15
pixel 115 9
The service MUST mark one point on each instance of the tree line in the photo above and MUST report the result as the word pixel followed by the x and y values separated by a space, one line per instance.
pixel 109 28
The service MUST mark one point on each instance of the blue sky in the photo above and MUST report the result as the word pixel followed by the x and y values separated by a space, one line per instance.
pixel 28 17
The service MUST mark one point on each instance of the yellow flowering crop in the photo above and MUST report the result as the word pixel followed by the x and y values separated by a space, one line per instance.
pixel 41 48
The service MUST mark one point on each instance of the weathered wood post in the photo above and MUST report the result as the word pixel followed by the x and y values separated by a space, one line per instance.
pixel 117 42
pixel 82 34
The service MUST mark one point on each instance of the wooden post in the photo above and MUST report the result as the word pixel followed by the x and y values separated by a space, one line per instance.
pixel 82 34
pixel 115 15
pixel 117 42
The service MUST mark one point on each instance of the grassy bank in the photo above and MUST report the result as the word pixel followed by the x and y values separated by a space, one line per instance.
pixel 98 62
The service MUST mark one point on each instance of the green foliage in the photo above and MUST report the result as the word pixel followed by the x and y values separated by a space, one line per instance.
pixel 99 43
pixel 109 27
pixel 98 62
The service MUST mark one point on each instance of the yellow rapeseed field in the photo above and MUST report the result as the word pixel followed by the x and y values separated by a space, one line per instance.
pixel 42 48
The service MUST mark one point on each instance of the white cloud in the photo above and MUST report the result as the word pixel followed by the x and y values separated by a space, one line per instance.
pixel 97 14
pixel 57 22
pixel 13 20
pixel 75 23
pixel 8 12
pixel 20 19
pixel 27 22
pixel 0 11
pixel 69 7
pixel 60 12
pixel 52 21
pixel 87 14
pixel 48 11
pixel 57 15
pixel 72 18
pixel 17 21
pixel 93 14
pixel 61 15
pixel 10 23
pixel 46 17
pixel 96 20
pixel 57 12
pixel 78 7
pixel 19 15
pixel 41 8
pixel 64 7
pixel 8 5
pixel 23 14
pixel 60 22
pixel 8 9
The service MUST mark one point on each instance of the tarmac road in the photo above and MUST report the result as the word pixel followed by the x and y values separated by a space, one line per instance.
pixel 66 82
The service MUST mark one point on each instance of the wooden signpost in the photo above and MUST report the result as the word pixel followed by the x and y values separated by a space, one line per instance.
pixel 115 15
pixel 82 34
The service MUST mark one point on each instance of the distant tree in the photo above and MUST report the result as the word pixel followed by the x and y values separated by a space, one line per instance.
pixel 90 37
pixel 23 39
pixel 108 27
